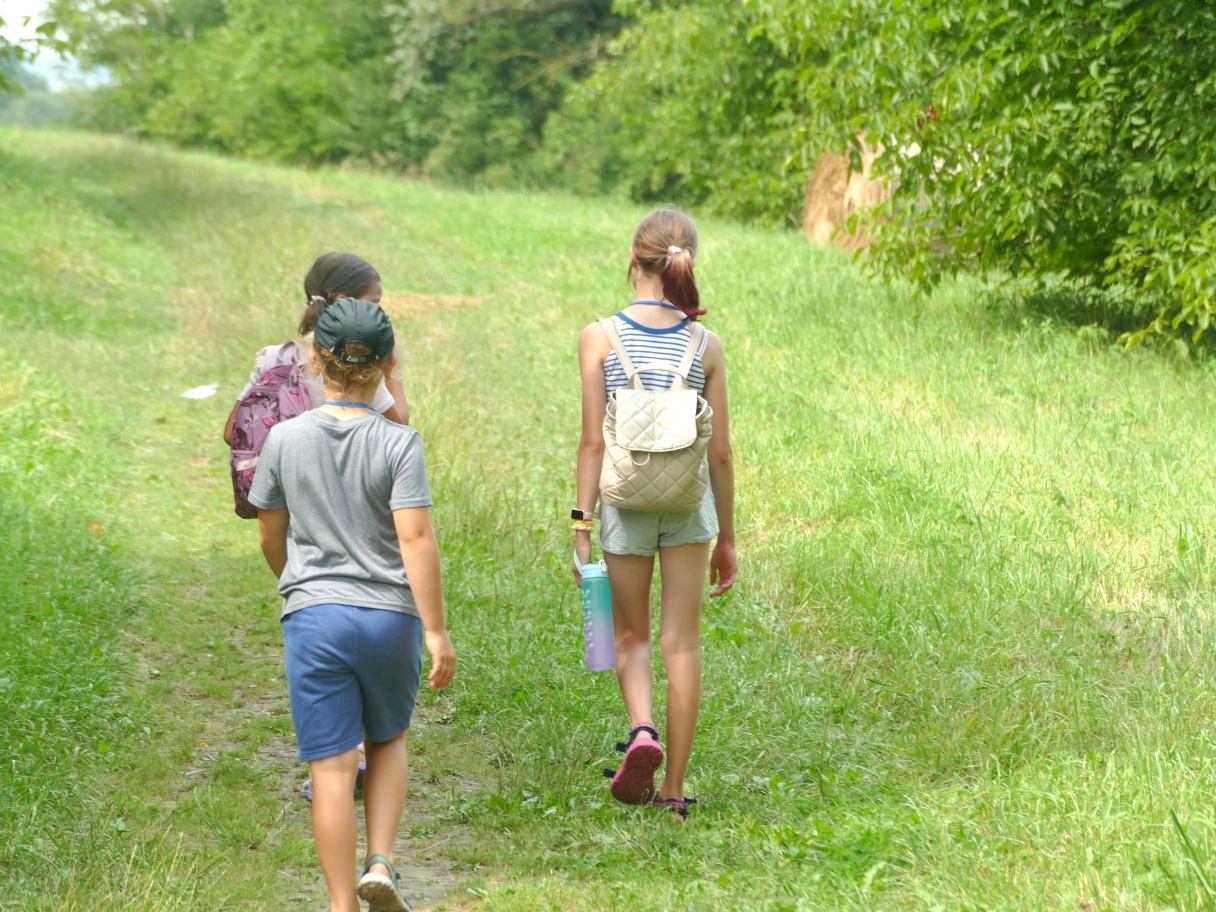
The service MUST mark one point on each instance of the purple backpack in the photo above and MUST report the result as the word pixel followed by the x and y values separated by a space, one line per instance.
pixel 278 394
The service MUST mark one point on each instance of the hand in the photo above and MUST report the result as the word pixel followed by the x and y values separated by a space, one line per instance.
pixel 390 366
pixel 443 658
pixel 723 567
pixel 582 548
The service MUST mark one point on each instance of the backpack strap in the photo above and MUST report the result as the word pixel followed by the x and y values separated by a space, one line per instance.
pixel 617 346
pixel 697 337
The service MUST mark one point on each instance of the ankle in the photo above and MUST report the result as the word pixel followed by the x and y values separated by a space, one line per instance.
pixel 640 733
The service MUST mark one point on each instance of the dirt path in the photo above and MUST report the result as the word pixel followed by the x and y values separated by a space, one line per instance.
pixel 427 873
pixel 423 843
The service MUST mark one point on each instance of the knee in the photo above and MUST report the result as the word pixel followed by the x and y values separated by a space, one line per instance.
pixel 629 639
pixel 343 764
pixel 678 645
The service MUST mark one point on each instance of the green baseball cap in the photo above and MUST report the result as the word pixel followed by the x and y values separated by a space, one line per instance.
pixel 354 320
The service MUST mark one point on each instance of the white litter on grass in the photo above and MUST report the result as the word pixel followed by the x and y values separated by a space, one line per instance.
pixel 201 392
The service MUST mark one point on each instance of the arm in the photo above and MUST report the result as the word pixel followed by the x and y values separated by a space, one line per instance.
pixel 400 412
pixel 420 555
pixel 593 347
pixel 723 563
pixel 272 533
pixel 229 423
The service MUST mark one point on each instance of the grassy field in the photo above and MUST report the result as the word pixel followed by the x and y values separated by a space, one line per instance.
pixel 968 664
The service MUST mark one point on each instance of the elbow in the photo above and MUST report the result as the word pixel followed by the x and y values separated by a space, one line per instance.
pixel 592 445
pixel 721 458
pixel 591 450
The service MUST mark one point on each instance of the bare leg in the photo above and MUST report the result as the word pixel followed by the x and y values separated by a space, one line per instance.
pixel 333 825
pixel 384 795
pixel 683 573
pixel 630 576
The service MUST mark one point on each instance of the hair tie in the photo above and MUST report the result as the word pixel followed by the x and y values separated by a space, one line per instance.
pixel 318 300
pixel 673 249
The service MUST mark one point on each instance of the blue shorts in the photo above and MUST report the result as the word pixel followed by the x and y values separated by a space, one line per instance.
pixel 351 672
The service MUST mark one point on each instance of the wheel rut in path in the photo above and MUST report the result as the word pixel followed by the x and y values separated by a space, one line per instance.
pixel 424 841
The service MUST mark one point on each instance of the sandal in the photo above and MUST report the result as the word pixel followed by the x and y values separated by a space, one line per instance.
pixel 678 806
pixel 382 894
pixel 633 780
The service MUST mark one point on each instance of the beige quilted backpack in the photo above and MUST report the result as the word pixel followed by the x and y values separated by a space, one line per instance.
pixel 655 441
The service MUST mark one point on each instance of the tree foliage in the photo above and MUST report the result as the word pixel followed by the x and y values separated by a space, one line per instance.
pixel 458 88
pixel 693 104
pixel 477 79
pixel 294 80
pixel 14 53
pixel 1055 140
pixel 10 57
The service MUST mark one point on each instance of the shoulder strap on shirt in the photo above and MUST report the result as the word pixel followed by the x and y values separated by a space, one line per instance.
pixel 609 326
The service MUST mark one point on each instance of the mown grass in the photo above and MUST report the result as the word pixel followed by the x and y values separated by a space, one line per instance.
pixel 968 664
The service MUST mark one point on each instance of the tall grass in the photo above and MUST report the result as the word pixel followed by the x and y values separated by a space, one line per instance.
pixel 967 665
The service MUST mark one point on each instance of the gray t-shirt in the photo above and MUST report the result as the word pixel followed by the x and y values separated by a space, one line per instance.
pixel 340 482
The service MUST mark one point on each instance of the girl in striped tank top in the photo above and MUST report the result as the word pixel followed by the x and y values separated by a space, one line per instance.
pixel 655 327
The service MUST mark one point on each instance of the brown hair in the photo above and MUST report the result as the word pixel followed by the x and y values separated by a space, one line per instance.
pixel 659 232
pixel 343 375
pixel 332 276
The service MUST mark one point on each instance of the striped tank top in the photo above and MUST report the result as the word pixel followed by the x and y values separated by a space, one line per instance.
pixel 645 344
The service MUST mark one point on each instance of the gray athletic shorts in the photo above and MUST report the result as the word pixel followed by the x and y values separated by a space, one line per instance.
pixel 642 532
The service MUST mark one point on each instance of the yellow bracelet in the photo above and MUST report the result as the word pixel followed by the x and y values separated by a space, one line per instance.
pixel 582 526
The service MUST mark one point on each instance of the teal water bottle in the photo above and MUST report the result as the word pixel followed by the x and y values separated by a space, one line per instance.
pixel 597 616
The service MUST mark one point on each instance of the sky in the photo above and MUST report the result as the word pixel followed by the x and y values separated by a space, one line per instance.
pixel 60 73
pixel 16 10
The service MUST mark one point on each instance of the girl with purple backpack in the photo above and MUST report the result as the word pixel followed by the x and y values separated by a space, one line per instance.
pixel 332 276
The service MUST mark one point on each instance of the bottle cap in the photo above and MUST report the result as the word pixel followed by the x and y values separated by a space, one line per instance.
pixel 592 570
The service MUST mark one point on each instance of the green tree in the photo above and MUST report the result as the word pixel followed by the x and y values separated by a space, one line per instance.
pixel 135 41
pixel 476 80
pixel 1058 141
pixel 455 87
pixel 695 104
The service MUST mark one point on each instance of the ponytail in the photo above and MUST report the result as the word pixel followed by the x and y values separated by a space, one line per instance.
pixel 679 283
pixel 312 313
pixel 665 245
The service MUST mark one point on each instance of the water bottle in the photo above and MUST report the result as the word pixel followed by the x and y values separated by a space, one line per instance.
pixel 597 616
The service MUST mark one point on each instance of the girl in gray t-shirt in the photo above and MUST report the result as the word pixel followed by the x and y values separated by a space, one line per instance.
pixel 344 523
